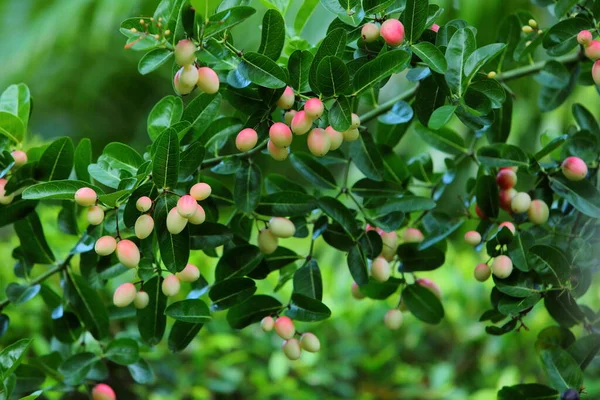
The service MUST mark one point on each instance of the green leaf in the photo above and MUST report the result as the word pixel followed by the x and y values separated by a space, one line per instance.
pixel 193 311
pixel 349 12
pixel 273 34
pixel 499 131
pixel 153 60
pixel 88 306
pixel 312 170
pixel 200 113
pixel 441 117
pixel 304 308
pixel 121 156
pixel 286 203
pixel 431 95
pixel 33 241
pixel 123 351
pixel 67 328
pixel 227 19
pixel 262 71
pixel 308 281
pixel 248 187
pixel 333 45
pixel 439 226
pixel 366 157
pixel 12 127
pixel 253 310
pixel 413 259
pixel 209 235
pixel 164 114
pixel 57 190
pixel 299 65
pixel 423 304
pixel 75 368
pixel 11 356
pixel 550 98
pixel 561 369
pixel 165 167
pixel 16 99
pixel 381 290
pixel 141 372
pixel 340 114
pixel 238 262
pixel 15 211
pixel 83 158
pixel 480 57
pixel 174 249
pixel 585 119
pixel 550 263
pixel 182 334
pixel 563 308
pixel 486 193
pixel 431 55
pixel 415 19
pixel 131 213
pixel 582 195
pixel 226 294
pixel 333 77
pixel 518 250
pixel 502 155
pixel 444 139
pixel 56 161
pixel 19 294
pixel 357 263
pixel 340 214
pixel 554 75
pixel 493 91
pixel 562 37
pixel 383 66
pixel 585 349
pixel 458 51
pixel 152 319
pixel 400 113
pixel 528 391
pixel 304 13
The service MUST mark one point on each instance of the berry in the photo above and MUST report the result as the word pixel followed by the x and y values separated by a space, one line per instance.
pixel 285 328
pixel 128 253
pixel 105 245
pixel 592 51
pixel 267 242
pixel 520 203
pixel 506 197
pixel 282 227
pixel 393 319
pixel 199 217
pixel 144 226
pixel 277 153
pixel 596 73
pixel 200 191
pixel 527 29
pixel 491 75
pixel 95 215
pixel 355 290
pixel 267 324
pixel 20 158
pixel 392 32
pixel 584 38
pixel 124 295
pixel 310 342
pixel 431 285
pixel 179 85
pixel 482 272
pixel 86 197
pixel 186 206
pixel 141 300
pixel 291 349
pixel 506 179
pixel 185 52
pixel 301 123
pixel 188 76
pixel 318 142
pixel 574 169
pixel 286 101
pixel 502 266
pixel 190 273
pixel 314 108
pixel 413 235
pixel 390 244
pixel 435 28
pixel 288 116
pixel 246 139
pixel 280 134
pixel 208 81
pixel 143 204
pixel 509 225
pixel 472 238
pixel 171 286
pixel 538 212
pixel 351 134
pixel 335 138
pixel 175 222
pixel 103 392
pixel 370 32
pixel 380 269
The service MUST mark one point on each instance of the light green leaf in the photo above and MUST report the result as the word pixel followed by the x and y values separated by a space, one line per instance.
pixel 262 71
pixel 165 113
pixel 379 68
pixel 431 55
pixel 153 60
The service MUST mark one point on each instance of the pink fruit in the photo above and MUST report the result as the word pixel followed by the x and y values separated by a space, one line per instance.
pixel 596 73
pixel 86 197
pixel 335 138
pixel 190 273
pixel 310 342
pixel 313 108
pixel 351 135
pixel 103 392
pixel 318 142
pixel 179 85
pixel 592 51
pixel 105 245
pixel 538 212
pixel 392 32
pixel 370 32
pixel 482 272
pixel 289 116
pixel 506 179
pixel 141 300
pixel 143 204
pixel 124 295
pixel 128 253
pixel 285 328
pixel 282 227
pixel 267 242
pixel 175 222
pixel 291 349
pixel 584 38
pixel 208 80
pixel 246 139
pixel 413 235
pixel 200 191
pixel 171 286
pixel 431 285
pixel 144 226
pixel 393 319
pixel 286 101
pixel 390 244
pixel 95 215
pixel 472 238
pixel 186 206
pixel 278 153
pixel 267 324
pixel 185 52
pixel 502 266
pixel 280 134
pixel 574 169
pixel 435 27
pixel 509 225
pixel 301 123
pixel 380 269
pixel 199 217
pixel 520 203
pixel 355 290
pixel 506 197
pixel 20 158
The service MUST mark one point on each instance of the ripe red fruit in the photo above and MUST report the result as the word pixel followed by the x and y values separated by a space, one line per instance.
pixel 286 101
pixel 285 328
pixel 103 392
pixel 431 285
pixel 208 80
pixel 435 27
pixel 20 158
pixel 584 38
pixel 370 32
pixel 86 197
pixel 314 108
pixel 592 51
pixel 506 179
pixel 574 169
pixel 318 142
pixel 301 123
pixel 392 32
pixel 280 134
pixel 200 191
pixel 128 253
pixel 480 213
pixel 278 153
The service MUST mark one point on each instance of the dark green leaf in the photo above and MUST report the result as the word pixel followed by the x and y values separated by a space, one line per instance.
pixel 312 170
pixel 581 194
pixel 227 19
pixel 11 356
pixel 165 167
pixel 528 391
pixel 340 114
pixel 248 187
pixel 561 369
pixel 412 259
pixel 423 304
pixel 357 263
pixel 56 161
pixel 174 249
pixel 164 114
pixel 123 351
pixel 340 214
pixel 141 372
pixel 431 55
pixel 415 19
pixel 366 157
pixel 332 76
pixel 262 71
pixel 182 334
pixel 460 47
pixel 152 319
pixel 226 294
pixel 252 310
pixel 237 262
pixel 33 241
pixel 153 60
pixel 193 311
pixel 333 45
pixel 299 68
pixel 285 204
pixel 444 139
pixel 19 294
pixel 480 57
pixel 502 155
pixel 562 37
pixel 307 280
pixel 304 308
pixel 83 158
pixel 87 305
pixel 379 68
pixel 486 193
pixel 273 34
pixel 550 263
pixel 585 349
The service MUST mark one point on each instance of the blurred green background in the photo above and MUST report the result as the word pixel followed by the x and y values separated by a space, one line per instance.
pixel 84 84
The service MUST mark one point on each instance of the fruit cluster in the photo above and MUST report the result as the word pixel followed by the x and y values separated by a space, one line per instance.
pixel 292 347
pixel 190 75
pixel 591 48
pixel 268 237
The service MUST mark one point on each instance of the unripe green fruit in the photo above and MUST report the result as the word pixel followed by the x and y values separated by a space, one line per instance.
pixel 413 235
pixel 128 253
pixel 85 197
pixel 355 290
pixel 314 108
pixel 280 134
pixel 393 319
pixel 392 32
pixel 355 121
pixel 289 116
pixel 431 285
pixel 199 217
pixel 286 101
pixel 502 266
pixel 310 342
pixel 370 32
pixel 124 295
pixel 3 198
pixel 505 198
pixel 103 392
pixel 380 269
pixel 538 212
pixel 200 191
pixel 390 244
pixel 291 349
pixel 335 138
pixel 351 134
pixel 171 286
pixel 175 222
pixel 520 203
pixel 267 324
pixel 472 238
pixel 318 142
pixel 584 38
pixel 482 272
pixel 301 123
pixel 141 300
pixel 188 76
pixel 246 139
pixel 574 169
pixel 208 80
pixel 180 86
pixel 105 245
pixel 277 153
pixel 509 225
pixel 267 242
pixel 143 204
pixel 282 227
pixel 506 179
pixel 186 206
pixel 144 226
pixel 285 328
pixel 592 51
pixel 95 215
pixel 20 158
pixel 190 273
pixel 185 52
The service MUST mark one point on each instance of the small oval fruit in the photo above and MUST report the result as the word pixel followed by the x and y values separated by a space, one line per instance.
pixel 289 116
pixel 267 242
pixel 86 197
pixel 380 269
pixel 267 324
pixel 4 199
pixel 393 319
pixel 596 72
pixel 285 328
pixel 190 273
pixel 520 203
pixel 505 198
pixel 175 222
pixel 280 134
pixel 20 158
pixel 574 169
pixel 105 245
pixel 282 227
pixel 509 225
pixel 310 342
pixel 592 51
pixel 413 235
pixel 435 28
pixel 291 349
pixel 390 244
pixel 199 217
pixel 506 179
pixel 246 139
pixel 124 295
pixel 355 121
pixel 482 272
pixel 200 191
pixel 95 215
pixel 314 108
pixel 278 153
pixel 128 253
pixel 538 212
pixel 143 204
pixel 370 32
pixel 141 300
pixel 186 206
pixel 318 142
pixel 335 138
pixel 286 101
pixel 472 238
pixel 179 86
pixel 103 392
pixel 355 290
pixel 584 38
pixel 502 266
pixel 171 286
pixel 188 76
pixel 144 226
pixel 301 123
pixel 185 52
pixel 392 32
pixel 208 80
pixel 431 285
pixel 351 134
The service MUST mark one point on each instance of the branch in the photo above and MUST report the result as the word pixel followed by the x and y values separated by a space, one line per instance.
pixel 214 161
pixel 536 67
pixel 385 107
